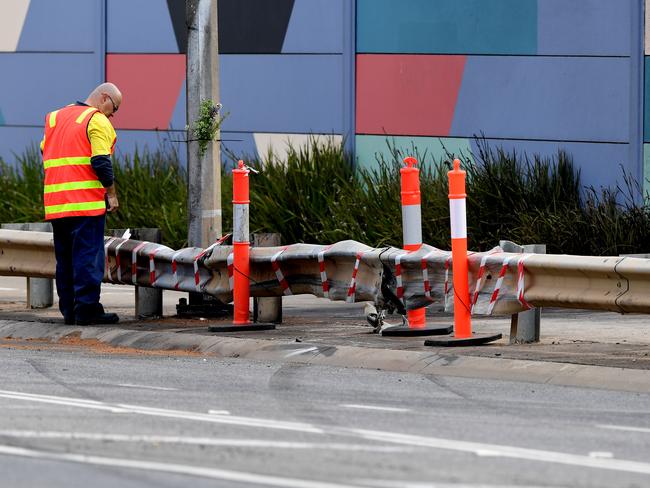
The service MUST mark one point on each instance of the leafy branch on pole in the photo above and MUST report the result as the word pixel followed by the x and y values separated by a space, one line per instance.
pixel 206 126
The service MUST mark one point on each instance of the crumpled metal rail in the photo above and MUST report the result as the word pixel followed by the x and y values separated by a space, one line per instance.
pixel 348 271
pixel 500 283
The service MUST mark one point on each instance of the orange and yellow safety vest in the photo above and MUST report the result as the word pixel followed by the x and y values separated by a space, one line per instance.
pixel 72 188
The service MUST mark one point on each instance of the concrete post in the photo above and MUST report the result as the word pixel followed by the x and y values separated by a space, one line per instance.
pixel 148 301
pixel 204 172
pixel 40 291
pixel 525 326
pixel 267 309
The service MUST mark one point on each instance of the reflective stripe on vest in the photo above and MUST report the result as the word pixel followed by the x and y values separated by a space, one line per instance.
pixel 55 163
pixel 74 207
pixel 71 187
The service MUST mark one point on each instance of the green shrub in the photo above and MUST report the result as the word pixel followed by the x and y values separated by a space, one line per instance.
pixel 316 196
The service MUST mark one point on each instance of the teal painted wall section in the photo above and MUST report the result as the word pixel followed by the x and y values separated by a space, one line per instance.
pixel 447 26
pixel 426 149
pixel 2 119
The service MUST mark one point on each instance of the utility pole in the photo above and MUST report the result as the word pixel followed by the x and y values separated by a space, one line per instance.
pixel 204 172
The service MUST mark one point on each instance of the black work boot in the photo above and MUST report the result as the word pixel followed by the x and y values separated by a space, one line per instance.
pixel 94 315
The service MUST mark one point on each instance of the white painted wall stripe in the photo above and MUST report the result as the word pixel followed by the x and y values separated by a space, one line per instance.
pixel 12 18
pixel 279 143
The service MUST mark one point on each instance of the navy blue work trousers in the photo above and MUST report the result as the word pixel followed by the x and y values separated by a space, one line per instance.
pixel 79 250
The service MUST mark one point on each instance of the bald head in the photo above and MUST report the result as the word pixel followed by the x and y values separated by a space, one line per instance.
pixel 107 98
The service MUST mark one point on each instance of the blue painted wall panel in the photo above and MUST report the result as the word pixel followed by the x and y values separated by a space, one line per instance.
pixel 316 26
pixel 128 141
pixel 61 25
pixel 24 99
pixel 551 98
pixel 447 26
pixel 585 27
pixel 142 27
pixel 280 93
pixel 234 144
pixel 15 140
pixel 646 97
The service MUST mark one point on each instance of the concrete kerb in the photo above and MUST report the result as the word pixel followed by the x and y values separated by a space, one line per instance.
pixel 420 362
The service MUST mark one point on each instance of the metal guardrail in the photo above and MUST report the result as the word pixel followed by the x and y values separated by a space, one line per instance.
pixel 500 283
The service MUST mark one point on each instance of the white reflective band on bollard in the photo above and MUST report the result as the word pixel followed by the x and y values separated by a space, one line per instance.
pixel 458 218
pixel 240 223
pixel 412 224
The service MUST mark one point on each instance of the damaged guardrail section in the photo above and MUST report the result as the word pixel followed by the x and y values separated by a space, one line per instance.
pixel 500 283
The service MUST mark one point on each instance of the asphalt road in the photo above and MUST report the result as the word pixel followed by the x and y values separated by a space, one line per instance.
pixel 70 417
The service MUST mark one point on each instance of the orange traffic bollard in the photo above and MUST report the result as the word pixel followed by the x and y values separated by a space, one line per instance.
pixel 241 254
pixel 412 239
pixel 241 245
pixel 462 306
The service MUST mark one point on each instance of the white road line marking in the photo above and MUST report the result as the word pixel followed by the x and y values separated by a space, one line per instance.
pixel 218 412
pixel 213 473
pixel 145 387
pixel 160 412
pixel 8 289
pixel 298 352
pixel 421 484
pixel 601 455
pixel 202 441
pixel 508 451
pixel 476 448
pixel 375 407
pixel 625 428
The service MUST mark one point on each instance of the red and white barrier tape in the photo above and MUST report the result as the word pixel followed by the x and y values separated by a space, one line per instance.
pixel 118 261
pixel 152 266
pixel 107 269
pixel 497 287
pixel 521 284
pixel 353 282
pixel 398 275
pixel 231 271
pixel 197 276
pixel 134 262
pixel 479 283
pixel 175 269
pixel 323 272
pixel 447 263
pixel 284 284
pixel 425 274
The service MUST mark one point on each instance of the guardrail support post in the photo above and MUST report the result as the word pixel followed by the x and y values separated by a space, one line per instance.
pixel 40 291
pixel 267 309
pixel 525 326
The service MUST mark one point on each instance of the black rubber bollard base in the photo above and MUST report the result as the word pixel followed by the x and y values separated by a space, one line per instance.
pixel 404 331
pixel 240 328
pixel 451 341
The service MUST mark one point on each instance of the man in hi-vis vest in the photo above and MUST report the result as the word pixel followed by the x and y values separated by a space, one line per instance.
pixel 79 188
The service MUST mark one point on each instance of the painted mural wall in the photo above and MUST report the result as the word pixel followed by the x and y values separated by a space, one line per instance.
pixel 530 75
pixel 283 69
